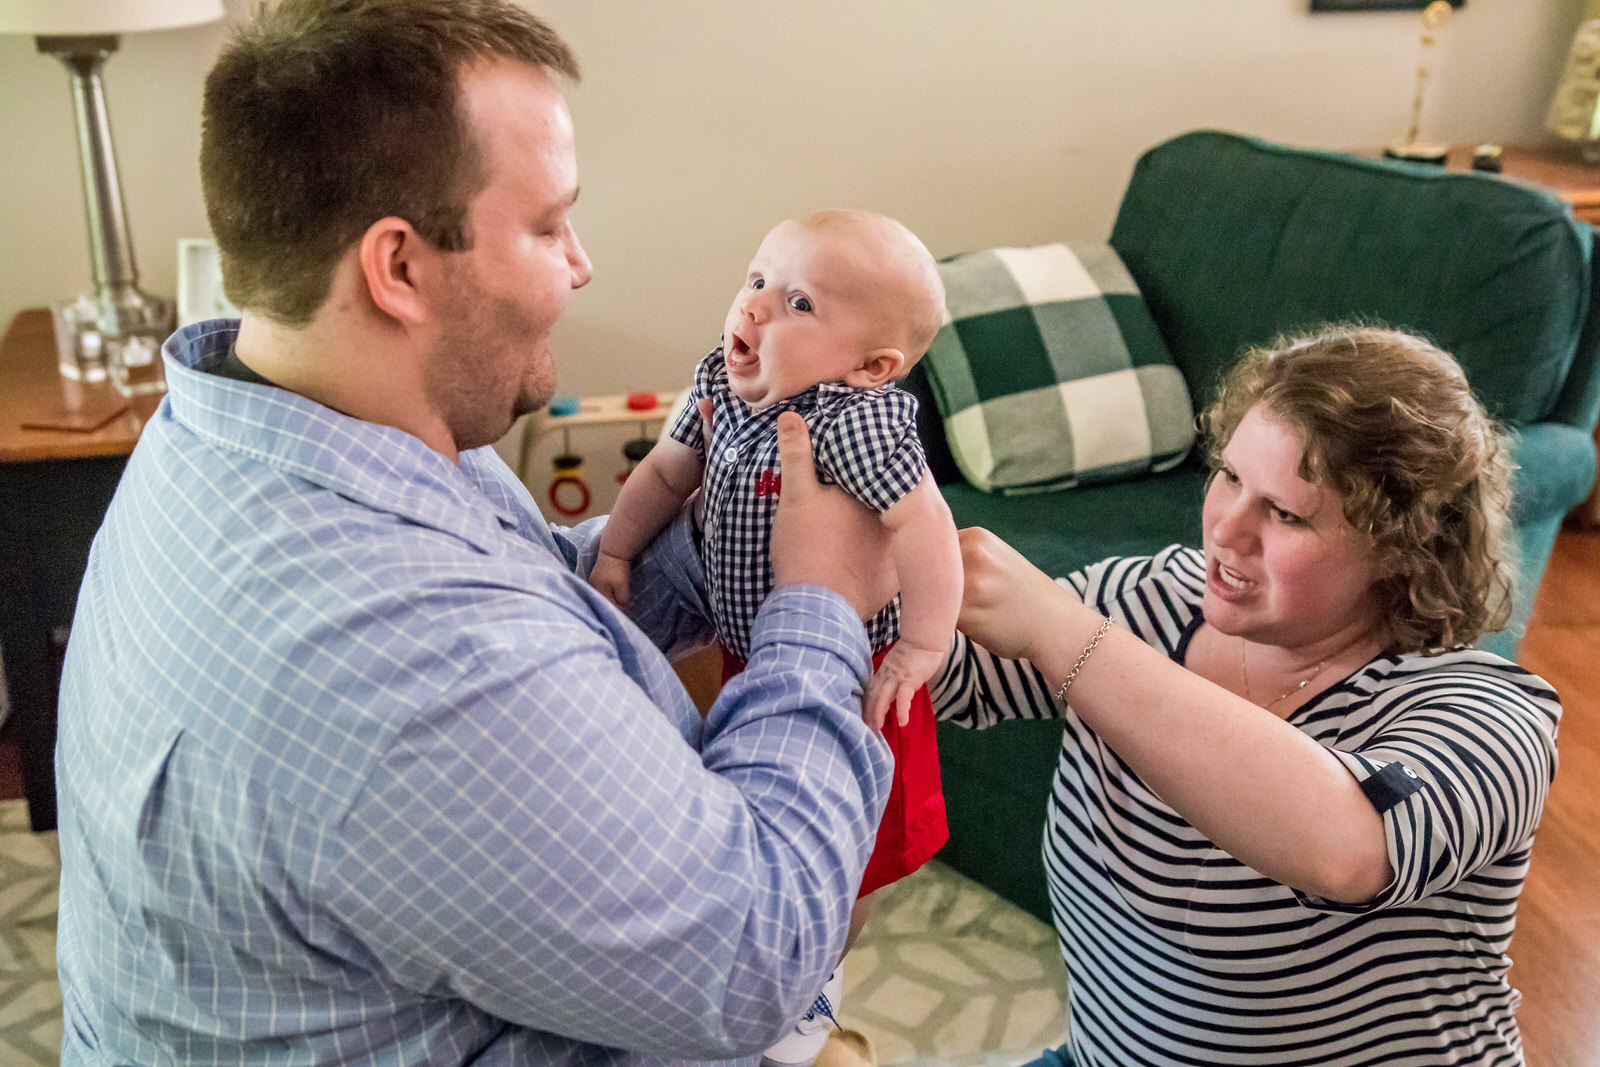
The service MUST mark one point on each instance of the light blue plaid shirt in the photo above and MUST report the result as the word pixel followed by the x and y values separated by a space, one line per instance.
pixel 353 767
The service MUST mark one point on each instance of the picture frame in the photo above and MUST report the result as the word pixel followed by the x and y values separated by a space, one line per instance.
pixel 1374 5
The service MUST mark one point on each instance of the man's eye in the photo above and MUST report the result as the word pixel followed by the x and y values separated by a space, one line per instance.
pixel 800 303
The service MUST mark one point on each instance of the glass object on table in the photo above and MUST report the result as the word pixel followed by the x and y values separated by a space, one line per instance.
pixel 135 361
pixel 80 347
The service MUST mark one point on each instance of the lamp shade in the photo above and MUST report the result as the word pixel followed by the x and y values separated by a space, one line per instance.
pixel 88 17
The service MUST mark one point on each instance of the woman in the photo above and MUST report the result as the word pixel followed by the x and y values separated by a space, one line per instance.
pixel 1293 811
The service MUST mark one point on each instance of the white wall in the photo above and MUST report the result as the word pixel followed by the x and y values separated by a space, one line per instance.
pixel 700 124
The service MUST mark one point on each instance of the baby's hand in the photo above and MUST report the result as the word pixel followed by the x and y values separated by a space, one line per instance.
pixel 610 576
pixel 902 671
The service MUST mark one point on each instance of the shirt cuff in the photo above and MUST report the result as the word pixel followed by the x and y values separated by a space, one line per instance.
pixel 813 616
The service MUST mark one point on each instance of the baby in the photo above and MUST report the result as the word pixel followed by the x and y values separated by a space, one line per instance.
pixel 835 308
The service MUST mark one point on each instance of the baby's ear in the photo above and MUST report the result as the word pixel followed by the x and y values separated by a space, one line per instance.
pixel 880 365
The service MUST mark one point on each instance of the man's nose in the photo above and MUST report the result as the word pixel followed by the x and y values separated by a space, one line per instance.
pixel 578 260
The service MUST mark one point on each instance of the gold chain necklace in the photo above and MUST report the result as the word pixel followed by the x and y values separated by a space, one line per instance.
pixel 1287 693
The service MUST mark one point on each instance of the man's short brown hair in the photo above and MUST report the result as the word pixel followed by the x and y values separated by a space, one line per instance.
pixel 323 116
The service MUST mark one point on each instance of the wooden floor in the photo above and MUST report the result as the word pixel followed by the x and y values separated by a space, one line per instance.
pixel 1557 945
pixel 1556 950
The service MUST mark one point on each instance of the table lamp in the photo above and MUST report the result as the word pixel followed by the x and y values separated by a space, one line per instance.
pixel 1434 17
pixel 121 326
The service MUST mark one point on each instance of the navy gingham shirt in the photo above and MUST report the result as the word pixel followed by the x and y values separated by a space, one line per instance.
pixel 355 768
pixel 863 440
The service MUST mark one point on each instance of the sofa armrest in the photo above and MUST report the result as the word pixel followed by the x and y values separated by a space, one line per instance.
pixel 1555 470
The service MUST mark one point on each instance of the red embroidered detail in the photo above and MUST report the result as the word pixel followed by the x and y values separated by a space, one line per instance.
pixel 768 483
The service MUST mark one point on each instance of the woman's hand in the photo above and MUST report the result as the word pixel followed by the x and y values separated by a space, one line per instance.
pixel 1007 603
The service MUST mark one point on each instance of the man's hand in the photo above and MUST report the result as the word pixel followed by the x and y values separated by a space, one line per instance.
pixel 610 576
pixel 823 536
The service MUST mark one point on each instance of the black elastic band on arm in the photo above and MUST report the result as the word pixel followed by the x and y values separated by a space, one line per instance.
pixel 1392 784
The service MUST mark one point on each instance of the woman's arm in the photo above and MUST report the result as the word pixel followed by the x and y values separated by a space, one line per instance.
pixel 1261 790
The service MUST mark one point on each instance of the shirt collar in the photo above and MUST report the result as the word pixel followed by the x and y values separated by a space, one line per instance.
pixel 378 466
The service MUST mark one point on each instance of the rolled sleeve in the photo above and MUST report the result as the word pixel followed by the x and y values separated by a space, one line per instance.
pixel 1459 781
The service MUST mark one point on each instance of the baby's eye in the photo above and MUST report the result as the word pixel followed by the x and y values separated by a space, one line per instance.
pixel 758 283
pixel 800 303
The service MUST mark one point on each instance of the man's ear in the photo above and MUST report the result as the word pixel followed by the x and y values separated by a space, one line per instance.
pixel 397 263
pixel 881 365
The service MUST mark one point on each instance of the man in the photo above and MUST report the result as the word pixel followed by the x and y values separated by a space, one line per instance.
pixel 354 766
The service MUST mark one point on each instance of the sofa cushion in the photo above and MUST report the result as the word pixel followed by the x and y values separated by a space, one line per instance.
pixel 1050 372
pixel 1062 531
pixel 1234 241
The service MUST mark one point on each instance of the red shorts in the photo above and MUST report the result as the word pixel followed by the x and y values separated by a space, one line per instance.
pixel 913 826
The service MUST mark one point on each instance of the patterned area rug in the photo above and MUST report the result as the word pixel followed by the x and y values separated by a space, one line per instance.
pixel 946 972
pixel 30 1000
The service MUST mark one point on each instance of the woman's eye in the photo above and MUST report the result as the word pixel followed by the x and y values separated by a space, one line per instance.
pixel 1228 476
pixel 800 303
pixel 1288 518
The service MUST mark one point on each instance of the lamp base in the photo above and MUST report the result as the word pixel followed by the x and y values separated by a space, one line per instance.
pixel 133 348
pixel 1418 153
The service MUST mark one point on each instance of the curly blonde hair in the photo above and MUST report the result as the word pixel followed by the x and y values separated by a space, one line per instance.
pixel 1388 421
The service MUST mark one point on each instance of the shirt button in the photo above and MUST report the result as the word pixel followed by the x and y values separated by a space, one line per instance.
pixel 730 454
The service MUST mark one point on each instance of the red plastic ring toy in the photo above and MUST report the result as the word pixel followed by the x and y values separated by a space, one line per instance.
pixel 583 499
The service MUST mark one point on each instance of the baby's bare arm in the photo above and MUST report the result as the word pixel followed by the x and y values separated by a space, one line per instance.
pixel 650 499
pixel 927 558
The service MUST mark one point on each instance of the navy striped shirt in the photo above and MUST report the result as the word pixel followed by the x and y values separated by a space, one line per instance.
pixel 1179 954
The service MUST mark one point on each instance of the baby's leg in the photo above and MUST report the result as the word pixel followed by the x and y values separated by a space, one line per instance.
pixel 858 918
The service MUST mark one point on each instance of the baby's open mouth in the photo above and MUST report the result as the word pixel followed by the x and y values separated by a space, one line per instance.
pixel 738 355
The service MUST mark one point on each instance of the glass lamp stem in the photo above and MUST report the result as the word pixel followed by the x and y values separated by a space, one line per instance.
pixel 124 309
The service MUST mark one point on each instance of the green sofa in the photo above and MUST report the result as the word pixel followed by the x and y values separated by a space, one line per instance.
pixel 1233 241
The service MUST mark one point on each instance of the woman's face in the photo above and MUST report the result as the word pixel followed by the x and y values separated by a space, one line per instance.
pixel 1283 565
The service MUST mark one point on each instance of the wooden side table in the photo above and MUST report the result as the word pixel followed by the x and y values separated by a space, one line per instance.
pixel 55 486
pixel 1558 169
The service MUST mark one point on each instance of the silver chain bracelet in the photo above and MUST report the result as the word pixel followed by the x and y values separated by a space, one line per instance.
pixel 1088 650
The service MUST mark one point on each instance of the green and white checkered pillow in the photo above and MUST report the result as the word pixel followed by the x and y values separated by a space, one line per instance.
pixel 1049 371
